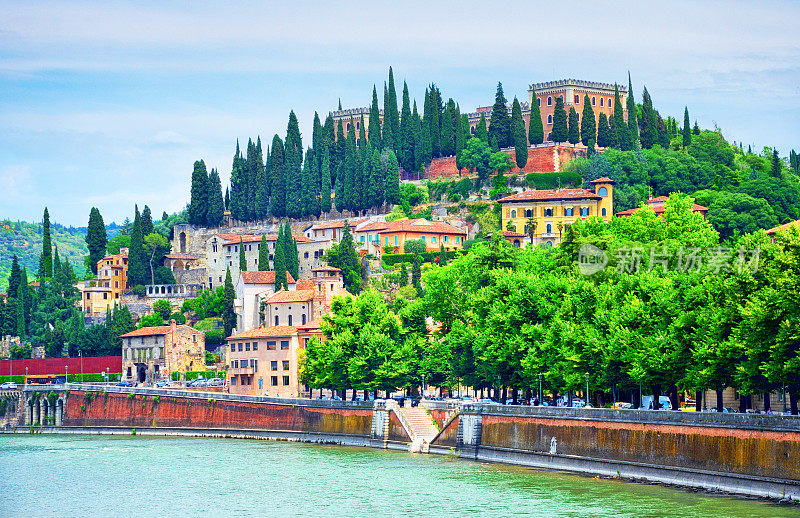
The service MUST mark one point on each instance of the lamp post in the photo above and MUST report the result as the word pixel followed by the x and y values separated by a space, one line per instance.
pixel 80 355
pixel 587 390
pixel 66 373
pixel 498 388
pixel 704 400
pixel 783 396
pixel 423 385
pixel 540 388
pixel 26 379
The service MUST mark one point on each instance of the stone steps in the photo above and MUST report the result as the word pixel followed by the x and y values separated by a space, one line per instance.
pixel 421 423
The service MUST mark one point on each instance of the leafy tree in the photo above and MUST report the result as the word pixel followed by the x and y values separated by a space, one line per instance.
pixel 518 133
pixel 96 239
pixel 115 244
pixel 156 244
pixel 228 314
pixel 198 202
pixel 416 273
pixel 560 130
pixel 573 133
pixel 343 255
pixel 477 157
pixel 588 130
pixel 163 308
pixel 535 127
pixel 46 258
pixel 500 123
pixel 696 128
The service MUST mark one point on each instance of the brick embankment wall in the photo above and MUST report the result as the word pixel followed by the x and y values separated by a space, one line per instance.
pixel 545 158
pixel 120 410
pixel 448 437
pixel 396 431
pixel 755 452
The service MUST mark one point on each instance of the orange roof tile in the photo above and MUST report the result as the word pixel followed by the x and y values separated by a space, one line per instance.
pixel 148 331
pixel 337 224
pixel 314 324
pixel 377 225
pixel 283 297
pixel 304 284
pixel 326 269
pixel 604 179
pixel 422 226
pixel 783 227
pixel 263 277
pixel 265 332
pixel 256 238
pixel 552 194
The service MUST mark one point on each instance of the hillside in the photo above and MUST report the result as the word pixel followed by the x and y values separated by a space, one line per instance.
pixel 25 241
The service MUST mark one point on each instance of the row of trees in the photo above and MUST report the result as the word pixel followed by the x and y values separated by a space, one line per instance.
pixel 656 321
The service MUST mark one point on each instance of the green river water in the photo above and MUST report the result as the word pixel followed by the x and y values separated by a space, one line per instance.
pixel 131 476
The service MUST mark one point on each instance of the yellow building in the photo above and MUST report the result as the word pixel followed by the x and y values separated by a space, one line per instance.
pixel 112 281
pixel 551 211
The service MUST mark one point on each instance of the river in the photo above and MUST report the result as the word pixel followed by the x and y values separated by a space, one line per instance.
pixel 68 476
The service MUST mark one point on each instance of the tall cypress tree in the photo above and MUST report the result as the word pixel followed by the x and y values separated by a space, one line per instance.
pixel 448 129
pixel 308 190
pixel 228 313
pixel 293 157
pixel 687 130
pixel 238 191
pixel 481 131
pixel 633 124
pixel 392 114
pixel 463 135
pixel 392 180
pixel 374 121
pixel 291 256
pixel 406 132
pixel 432 117
pixel 96 238
pixel 263 254
pixel 15 278
pixel 573 133
pixel 588 129
pixel 419 145
pixel 137 264
pixel 216 206
pixel 198 202
pixel 277 206
pixel 500 123
pixel 340 194
pixel 227 199
pixel 621 133
pixel 337 151
pixel 387 138
pixel 560 130
pixel 603 131
pixel 280 267
pixel 351 175
pixel 325 190
pixel 520 139
pixel 649 129
pixel 535 126
pixel 376 179
pixel 242 258
pixel 46 257
pixel 147 221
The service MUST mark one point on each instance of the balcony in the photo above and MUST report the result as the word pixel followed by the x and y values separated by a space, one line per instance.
pixel 242 370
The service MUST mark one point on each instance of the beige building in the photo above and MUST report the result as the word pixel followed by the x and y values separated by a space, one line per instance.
pixel 263 361
pixel 100 294
pixel 151 353
pixel 251 289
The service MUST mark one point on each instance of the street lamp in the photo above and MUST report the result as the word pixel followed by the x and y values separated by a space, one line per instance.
pixel 423 385
pixel 587 389
pixel 66 373
pixel 498 388
pixel 540 388
pixel 26 379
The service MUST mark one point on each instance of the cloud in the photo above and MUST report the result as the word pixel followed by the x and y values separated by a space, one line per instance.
pixel 15 182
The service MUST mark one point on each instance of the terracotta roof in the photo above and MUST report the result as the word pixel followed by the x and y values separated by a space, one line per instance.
pixel 148 331
pixel 783 227
pixel 265 332
pixel 337 224
pixel 181 256
pixel 604 179
pixel 508 233
pixel 256 238
pixel 377 225
pixel 283 297
pixel 305 284
pixel 326 269
pixel 263 278
pixel 553 194
pixel 422 226
pixel 314 324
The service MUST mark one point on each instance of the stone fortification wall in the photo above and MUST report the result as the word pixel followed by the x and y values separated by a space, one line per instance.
pixel 543 158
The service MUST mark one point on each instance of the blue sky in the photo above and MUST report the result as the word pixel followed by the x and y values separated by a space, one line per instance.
pixel 109 103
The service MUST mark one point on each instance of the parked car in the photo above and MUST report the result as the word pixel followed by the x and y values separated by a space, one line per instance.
pixel 623 404
pixel 725 409
pixel 664 403
pixel 164 383
pixel 8 385
pixel 124 383
pixel 215 382
pixel 487 401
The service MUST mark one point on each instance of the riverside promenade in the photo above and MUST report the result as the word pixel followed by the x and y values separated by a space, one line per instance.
pixel 755 455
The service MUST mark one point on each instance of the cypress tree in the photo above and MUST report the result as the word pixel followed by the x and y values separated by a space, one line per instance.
pixel 351 175
pixel 293 157
pixel 588 129
pixel 376 179
pixel 20 317
pixel 387 138
pixel 96 238
pixel 535 126
pixel 198 202
pixel 500 123
pixel 263 254
pixel 325 191
pixel 137 264
pixel 337 151
pixel 776 163
pixel 14 279
pixel 280 266
pixel 448 129
pixel 403 275
pixel 237 203
pixel 612 132
pixel 307 187
pixel 46 258
pixel 291 256
pixel 687 130
pixel 633 123
pixel 662 133
pixel 147 221
pixel 621 133
pixel 374 121
pixel 560 130
pixel 348 257
pixel 316 183
pixel 696 128
pixel 406 132
pixel 573 133
pixel 419 147
pixel 228 313
pixel 216 206
pixel 262 190
pixel 603 131
pixel 649 130
pixel 392 179
pixel 463 136
pixel 392 114
pixel 242 258
pixel 277 206
pixel 520 139
pixel 481 131
pixel 227 199
pixel 340 194
pixel 362 136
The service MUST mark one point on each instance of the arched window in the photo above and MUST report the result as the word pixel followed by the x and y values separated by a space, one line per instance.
pixel 513 213
pixel 549 101
pixel 561 97
pixel 601 101
pixel 540 100
pixel 549 137
pixel 602 191
pixel 549 228
pixel 472 130
pixel 604 211
pixel 358 125
pixel 577 99
pixel 609 102
pixel 550 118
pixel 548 213
pixel 348 125
pixel 593 100
pixel 358 142
pixel 528 213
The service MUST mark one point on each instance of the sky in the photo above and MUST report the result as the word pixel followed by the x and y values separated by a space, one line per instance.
pixel 109 104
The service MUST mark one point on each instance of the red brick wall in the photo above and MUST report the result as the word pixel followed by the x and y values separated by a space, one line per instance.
pixel 120 410
pixel 541 159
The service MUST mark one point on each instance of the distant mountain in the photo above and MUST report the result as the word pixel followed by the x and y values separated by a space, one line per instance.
pixel 24 240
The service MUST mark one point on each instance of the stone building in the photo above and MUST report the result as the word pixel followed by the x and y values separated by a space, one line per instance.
pixel 151 353
pixel 251 289
pixel 99 295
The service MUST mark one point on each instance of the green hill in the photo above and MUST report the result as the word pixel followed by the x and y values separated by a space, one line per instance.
pixel 25 241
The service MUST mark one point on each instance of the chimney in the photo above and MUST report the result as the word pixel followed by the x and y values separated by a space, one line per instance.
pixel 173 325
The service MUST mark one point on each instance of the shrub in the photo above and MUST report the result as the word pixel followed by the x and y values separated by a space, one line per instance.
pixel 138 290
pixel 390 260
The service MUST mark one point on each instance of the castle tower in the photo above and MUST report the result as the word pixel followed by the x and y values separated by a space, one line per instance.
pixel 604 187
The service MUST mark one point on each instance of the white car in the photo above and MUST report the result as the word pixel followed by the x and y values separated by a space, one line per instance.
pixel 8 385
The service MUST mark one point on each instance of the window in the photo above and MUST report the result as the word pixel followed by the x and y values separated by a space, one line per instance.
pixel 254 364
pixel 472 130
pixel 550 120
pixel 271 346
pixel 285 380
pixel 386 240
pixel 548 213
pixel 594 99
pixel 446 239
pixel 276 320
pixel 273 365
pixel 609 102
pixel 363 239
pixel 273 380
pixel 569 211
pixel 577 99
pixel 458 239
pixel 549 228
pixel 241 347
pixel 233 348
pixel 604 211
pixel 561 97
pixel 513 213
pixel 395 240
pixel 233 380
pixel 549 101
pixel 601 101
pixel 286 365
pixel 304 317
pixel 255 346
pixel 284 344
pixel 247 346
pixel 358 125
pixel 433 239
pixel 105 296
pixel 235 364
pixel 584 211
pixel 348 127
pixel 549 137
pixel 290 319
pixel 358 142
pixel 539 99
pixel 602 191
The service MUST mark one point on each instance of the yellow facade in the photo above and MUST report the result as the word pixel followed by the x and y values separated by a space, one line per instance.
pixel 101 294
pixel 552 211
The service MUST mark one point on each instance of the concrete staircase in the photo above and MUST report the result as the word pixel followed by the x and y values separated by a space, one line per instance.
pixel 423 431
